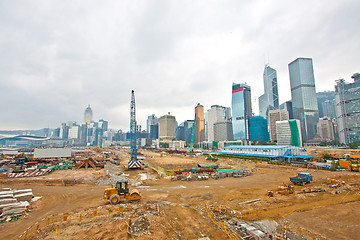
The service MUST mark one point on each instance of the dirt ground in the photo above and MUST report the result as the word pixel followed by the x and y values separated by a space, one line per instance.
pixel 328 214
pixel 318 152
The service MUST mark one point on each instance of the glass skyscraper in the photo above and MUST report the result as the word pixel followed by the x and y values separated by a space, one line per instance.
pixel 326 104
pixel 303 96
pixel 270 99
pixel 258 129
pixel 347 106
pixel 241 110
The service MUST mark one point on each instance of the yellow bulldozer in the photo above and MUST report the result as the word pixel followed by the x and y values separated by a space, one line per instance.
pixel 121 192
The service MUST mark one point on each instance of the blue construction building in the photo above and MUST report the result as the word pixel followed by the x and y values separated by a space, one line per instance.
pixel 258 129
pixel 279 153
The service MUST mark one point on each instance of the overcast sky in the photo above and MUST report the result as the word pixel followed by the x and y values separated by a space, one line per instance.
pixel 56 57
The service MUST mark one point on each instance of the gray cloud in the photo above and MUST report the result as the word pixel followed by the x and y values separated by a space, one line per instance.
pixel 59 56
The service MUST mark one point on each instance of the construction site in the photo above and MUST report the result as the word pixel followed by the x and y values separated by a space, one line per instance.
pixel 131 193
pixel 258 202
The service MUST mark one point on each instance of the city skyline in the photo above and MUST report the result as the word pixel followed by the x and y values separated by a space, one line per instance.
pixel 173 54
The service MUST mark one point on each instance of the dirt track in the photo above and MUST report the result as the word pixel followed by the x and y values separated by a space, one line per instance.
pixel 183 212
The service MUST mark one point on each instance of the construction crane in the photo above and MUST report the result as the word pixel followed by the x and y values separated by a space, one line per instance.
pixel 134 163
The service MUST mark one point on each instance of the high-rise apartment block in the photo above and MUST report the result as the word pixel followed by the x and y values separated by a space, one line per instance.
pixel 199 123
pixel 167 127
pixel 347 108
pixel 270 99
pixel 303 96
pixel 241 110
pixel 274 116
pixel 289 132
pixel 215 114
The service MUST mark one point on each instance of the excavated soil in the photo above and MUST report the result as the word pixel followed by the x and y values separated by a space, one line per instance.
pixel 330 214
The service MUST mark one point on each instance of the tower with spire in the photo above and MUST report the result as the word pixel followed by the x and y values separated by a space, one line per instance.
pixel 88 115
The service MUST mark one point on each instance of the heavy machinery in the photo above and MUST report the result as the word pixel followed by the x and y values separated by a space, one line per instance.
pixel 301 179
pixel 286 189
pixel 121 192
pixel 134 162
pixel 354 165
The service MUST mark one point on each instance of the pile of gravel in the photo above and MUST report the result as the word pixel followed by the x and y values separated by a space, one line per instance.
pixel 140 227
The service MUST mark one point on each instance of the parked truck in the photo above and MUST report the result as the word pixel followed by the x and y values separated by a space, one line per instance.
pixel 301 179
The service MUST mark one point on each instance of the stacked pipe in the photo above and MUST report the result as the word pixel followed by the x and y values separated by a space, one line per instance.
pixel 14 202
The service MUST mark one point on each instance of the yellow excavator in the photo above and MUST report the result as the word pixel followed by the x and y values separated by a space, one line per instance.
pixel 121 192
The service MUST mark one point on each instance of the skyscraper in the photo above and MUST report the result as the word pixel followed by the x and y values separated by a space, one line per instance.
pixel 303 96
pixel 223 131
pixel 326 104
pixel 241 110
pixel 88 115
pixel 215 114
pixel 288 132
pixel 167 127
pixel 325 129
pixel 347 108
pixel 328 108
pixel 151 120
pixel 180 132
pixel 199 123
pixel 258 129
pixel 287 106
pixel 274 116
pixel 188 128
pixel 270 99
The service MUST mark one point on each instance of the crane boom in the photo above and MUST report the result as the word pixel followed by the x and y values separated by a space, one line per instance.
pixel 134 163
